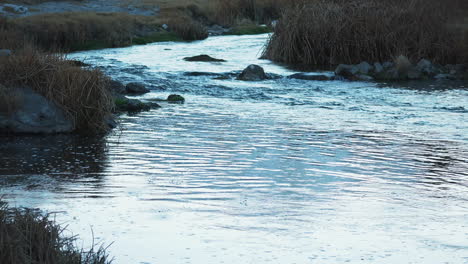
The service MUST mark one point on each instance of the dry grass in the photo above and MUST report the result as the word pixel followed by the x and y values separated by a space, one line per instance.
pixel 27 236
pixel 82 93
pixel 10 100
pixel 84 30
pixel 329 32
pixel 229 12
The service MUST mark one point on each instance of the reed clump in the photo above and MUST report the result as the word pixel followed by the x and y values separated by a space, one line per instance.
pixel 330 32
pixel 230 12
pixel 28 236
pixel 82 93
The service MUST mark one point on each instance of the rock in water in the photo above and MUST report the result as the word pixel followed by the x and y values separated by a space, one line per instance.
pixel 364 68
pixel 347 71
pixel 116 87
pixel 252 73
pixel 175 98
pixel 310 77
pixel 203 58
pixel 35 115
pixel 136 88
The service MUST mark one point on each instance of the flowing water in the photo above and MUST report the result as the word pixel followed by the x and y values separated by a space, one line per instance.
pixel 278 171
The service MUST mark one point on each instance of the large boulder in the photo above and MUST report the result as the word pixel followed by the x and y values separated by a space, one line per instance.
pixel 175 98
pixel 136 88
pixel 34 114
pixel 252 73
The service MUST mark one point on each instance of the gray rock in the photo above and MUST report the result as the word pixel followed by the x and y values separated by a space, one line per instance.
pixel 364 68
pixel 136 88
pixel 388 75
pixel 414 74
pixel 444 76
pixel 35 115
pixel 124 104
pixel 165 26
pixel 203 58
pixel 309 77
pixel 388 65
pixel 378 68
pixel 5 52
pixel 426 67
pixel 423 64
pixel 363 77
pixel 252 73
pixel 116 87
pixel 347 71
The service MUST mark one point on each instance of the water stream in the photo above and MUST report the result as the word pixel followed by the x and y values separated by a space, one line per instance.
pixel 278 171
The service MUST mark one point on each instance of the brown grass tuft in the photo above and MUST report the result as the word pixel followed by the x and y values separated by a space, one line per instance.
pixel 329 32
pixel 82 93
pixel 27 236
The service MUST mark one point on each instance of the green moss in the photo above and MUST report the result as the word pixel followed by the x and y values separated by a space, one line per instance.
pixel 120 102
pixel 249 30
pixel 156 37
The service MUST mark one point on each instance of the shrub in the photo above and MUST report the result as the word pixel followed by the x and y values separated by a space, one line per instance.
pixel 28 236
pixel 82 93
pixel 329 32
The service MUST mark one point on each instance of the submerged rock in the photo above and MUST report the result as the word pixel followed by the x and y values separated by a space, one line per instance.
pixel 252 73
pixel 175 98
pixel 136 88
pixel 309 77
pixel 35 114
pixel 124 104
pixel 203 58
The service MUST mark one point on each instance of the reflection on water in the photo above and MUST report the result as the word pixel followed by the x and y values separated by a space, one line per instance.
pixel 281 171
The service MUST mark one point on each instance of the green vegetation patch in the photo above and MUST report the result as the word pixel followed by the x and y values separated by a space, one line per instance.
pixel 249 30
pixel 156 37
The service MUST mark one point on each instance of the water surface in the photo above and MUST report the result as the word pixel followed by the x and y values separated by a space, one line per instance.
pixel 279 171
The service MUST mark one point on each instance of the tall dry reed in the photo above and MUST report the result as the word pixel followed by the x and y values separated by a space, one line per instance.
pixel 28 236
pixel 329 32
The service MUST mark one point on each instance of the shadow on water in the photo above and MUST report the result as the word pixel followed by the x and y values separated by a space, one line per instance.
pixel 47 161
